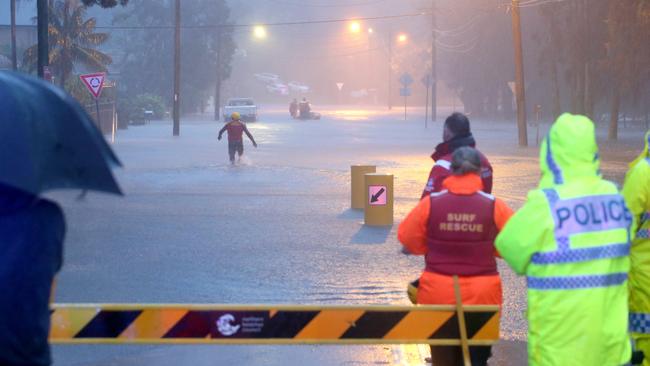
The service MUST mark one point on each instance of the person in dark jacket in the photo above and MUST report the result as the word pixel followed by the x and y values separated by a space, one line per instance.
pixel 293 108
pixel 456 134
pixel 304 108
pixel 32 230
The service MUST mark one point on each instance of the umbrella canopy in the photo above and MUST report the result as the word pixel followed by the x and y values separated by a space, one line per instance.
pixel 47 140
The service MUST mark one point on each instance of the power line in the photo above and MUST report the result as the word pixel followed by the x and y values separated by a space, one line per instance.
pixel 460 29
pixel 326 56
pixel 304 22
pixel 533 3
pixel 303 4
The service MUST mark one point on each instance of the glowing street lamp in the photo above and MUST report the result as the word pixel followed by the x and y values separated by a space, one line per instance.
pixel 355 27
pixel 259 32
pixel 370 30
pixel 402 38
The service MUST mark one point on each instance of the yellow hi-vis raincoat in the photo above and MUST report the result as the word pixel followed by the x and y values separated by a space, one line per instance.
pixel 572 241
pixel 637 194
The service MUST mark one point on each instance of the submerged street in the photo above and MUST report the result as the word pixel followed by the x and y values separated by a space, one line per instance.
pixel 277 228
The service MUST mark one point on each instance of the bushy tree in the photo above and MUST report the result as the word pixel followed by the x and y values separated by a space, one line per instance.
pixel 72 41
pixel 475 56
pixel 147 65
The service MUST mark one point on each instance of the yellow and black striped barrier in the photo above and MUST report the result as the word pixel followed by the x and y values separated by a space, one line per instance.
pixel 273 324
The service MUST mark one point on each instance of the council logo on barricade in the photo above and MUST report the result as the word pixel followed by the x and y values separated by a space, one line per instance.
pixel 225 326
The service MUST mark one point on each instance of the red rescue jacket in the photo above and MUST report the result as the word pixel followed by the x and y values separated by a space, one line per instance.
pixel 442 167
pixel 436 285
pixel 460 234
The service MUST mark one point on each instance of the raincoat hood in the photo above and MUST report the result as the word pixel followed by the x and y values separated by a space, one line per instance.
pixel 645 153
pixel 12 200
pixel 569 151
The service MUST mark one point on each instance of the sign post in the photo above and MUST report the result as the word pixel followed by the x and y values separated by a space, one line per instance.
pixel 94 83
pixel 357 180
pixel 379 199
pixel 339 86
pixel 405 80
pixel 427 80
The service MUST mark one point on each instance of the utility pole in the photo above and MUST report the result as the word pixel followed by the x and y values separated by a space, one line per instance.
pixel 434 97
pixel 217 88
pixel 519 75
pixel 390 68
pixel 177 68
pixel 14 59
pixel 43 47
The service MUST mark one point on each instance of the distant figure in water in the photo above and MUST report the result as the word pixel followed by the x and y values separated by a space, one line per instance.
pixel 236 129
pixel 305 109
pixel 293 108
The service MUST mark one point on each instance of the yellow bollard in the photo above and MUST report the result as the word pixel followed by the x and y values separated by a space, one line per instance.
pixel 358 192
pixel 379 199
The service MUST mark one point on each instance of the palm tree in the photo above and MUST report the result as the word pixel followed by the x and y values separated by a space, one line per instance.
pixel 72 41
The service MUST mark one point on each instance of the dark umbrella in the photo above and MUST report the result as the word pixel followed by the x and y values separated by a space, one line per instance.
pixel 48 141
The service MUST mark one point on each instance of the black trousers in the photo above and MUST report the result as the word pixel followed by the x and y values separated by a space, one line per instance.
pixel 235 147
pixel 453 355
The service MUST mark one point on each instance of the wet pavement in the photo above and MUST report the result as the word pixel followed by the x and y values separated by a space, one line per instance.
pixel 275 229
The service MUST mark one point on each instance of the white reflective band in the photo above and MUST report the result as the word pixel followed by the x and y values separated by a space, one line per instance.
pixel 444 163
pixel 486 195
pixel 436 194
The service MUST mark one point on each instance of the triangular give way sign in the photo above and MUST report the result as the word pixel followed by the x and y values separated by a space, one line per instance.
pixel 94 83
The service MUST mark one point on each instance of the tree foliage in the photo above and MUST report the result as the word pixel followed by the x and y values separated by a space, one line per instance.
pixel 475 52
pixel 147 63
pixel 601 50
pixel 72 41
pixel 580 56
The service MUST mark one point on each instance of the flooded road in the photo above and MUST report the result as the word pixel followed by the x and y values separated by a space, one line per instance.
pixel 276 229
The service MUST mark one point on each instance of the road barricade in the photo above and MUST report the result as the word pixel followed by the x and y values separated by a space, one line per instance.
pixel 273 324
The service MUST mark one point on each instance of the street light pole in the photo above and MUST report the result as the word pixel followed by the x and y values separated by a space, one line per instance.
pixel 390 68
pixel 217 88
pixel 519 75
pixel 43 47
pixel 434 98
pixel 177 68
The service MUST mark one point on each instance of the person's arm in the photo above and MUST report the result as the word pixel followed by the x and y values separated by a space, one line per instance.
pixel 225 127
pixel 412 232
pixel 487 175
pixel 524 233
pixel 502 213
pixel 250 137
pixel 439 173
pixel 635 191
